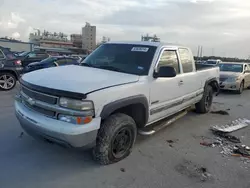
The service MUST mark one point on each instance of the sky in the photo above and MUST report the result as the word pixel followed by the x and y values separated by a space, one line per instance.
pixel 222 27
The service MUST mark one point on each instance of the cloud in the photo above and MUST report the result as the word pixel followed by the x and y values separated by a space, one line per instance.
pixel 210 23
pixel 15 35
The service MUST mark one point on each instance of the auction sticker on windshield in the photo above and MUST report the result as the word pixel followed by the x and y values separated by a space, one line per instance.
pixel 139 49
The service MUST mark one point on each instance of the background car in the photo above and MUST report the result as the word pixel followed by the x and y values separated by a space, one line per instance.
pixel 234 76
pixel 50 62
pixel 30 57
pixel 10 69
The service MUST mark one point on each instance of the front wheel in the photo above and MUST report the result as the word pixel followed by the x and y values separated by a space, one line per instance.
pixel 206 102
pixel 240 90
pixel 7 81
pixel 115 139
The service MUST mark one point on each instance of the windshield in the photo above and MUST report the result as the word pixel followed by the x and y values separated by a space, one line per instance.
pixel 231 67
pixel 23 54
pixel 127 58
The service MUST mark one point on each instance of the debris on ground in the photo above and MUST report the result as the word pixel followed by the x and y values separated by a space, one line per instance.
pixel 171 142
pixel 228 109
pixel 221 112
pixel 233 126
pixel 193 171
pixel 21 135
pixel 242 150
pixel 122 169
pixel 227 136
pixel 208 144
pixel 227 150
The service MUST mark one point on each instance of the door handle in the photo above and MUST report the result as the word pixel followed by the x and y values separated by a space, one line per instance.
pixel 180 82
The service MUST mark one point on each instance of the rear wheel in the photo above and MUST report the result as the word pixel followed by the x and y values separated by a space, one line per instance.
pixel 115 139
pixel 206 102
pixel 240 90
pixel 7 81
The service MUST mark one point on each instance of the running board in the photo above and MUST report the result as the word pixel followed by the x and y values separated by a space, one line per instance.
pixel 149 130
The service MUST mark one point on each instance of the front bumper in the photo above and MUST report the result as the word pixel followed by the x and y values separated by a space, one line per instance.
pixel 42 127
pixel 230 86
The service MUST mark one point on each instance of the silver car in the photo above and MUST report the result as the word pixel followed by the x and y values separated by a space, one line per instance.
pixel 234 76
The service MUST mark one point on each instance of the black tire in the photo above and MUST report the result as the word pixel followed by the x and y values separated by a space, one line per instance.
pixel 205 103
pixel 240 90
pixel 107 138
pixel 4 76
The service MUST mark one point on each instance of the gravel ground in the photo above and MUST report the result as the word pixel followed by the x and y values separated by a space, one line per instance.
pixel 171 158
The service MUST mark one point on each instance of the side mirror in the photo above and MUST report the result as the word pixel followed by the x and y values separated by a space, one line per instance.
pixel 165 72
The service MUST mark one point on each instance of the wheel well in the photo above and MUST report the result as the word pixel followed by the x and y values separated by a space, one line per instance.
pixel 214 85
pixel 136 111
pixel 11 72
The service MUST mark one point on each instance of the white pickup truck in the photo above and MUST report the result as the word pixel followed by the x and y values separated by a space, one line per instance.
pixel 121 89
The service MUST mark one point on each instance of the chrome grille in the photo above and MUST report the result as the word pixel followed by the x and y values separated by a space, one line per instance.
pixel 40 110
pixel 39 96
pixel 28 94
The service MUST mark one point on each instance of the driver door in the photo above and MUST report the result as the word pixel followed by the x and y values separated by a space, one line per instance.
pixel 165 93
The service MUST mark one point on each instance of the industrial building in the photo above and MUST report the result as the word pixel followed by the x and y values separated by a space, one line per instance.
pixel 76 39
pixel 15 45
pixel 89 37
pixel 50 39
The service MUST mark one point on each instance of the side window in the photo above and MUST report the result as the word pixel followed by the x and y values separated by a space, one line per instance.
pixel 169 58
pixel 61 62
pixel 32 54
pixel 186 60
pixel 71 61
pixel 1 55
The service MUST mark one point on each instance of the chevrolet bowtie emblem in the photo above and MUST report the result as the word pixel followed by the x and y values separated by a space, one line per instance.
pixel 31 101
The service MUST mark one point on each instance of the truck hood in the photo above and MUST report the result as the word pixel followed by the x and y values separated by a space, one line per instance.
pixel 78 79
pixel 224 74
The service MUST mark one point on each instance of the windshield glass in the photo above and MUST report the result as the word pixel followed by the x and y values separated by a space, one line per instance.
pixel 231 67
pixel 127 58
pixel 23 54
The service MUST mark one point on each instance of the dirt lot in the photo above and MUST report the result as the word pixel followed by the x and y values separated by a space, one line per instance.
pixel 171 158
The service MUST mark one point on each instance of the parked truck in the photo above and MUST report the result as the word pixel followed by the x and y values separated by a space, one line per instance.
pixel 121 89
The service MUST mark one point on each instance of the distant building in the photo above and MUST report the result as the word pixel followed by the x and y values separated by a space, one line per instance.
pixel 76 39
pixel 15 45
pixel 89 37
pixel 49 39
pixel 153 38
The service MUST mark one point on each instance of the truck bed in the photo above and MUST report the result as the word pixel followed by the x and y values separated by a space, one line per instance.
pixel 200 66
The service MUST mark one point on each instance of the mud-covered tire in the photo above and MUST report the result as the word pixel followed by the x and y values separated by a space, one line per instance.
pixel 110 131
pixel 204 105
pixel 240 90
pixel 7 81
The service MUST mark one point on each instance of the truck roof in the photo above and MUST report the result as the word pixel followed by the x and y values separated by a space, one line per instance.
pixel 147 43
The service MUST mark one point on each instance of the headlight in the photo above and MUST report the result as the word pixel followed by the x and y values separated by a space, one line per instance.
pixel 232 79
pixel 75 119
pixel 76 104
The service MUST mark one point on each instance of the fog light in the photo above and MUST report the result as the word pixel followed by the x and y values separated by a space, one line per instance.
pixel 74 119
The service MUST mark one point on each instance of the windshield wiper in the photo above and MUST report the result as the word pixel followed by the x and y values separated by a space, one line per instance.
pixel 88 65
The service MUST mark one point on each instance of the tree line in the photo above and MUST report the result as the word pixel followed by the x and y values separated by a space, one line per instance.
pixel 223 59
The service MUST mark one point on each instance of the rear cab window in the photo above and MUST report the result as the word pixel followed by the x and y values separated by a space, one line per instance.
pixel 186 59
